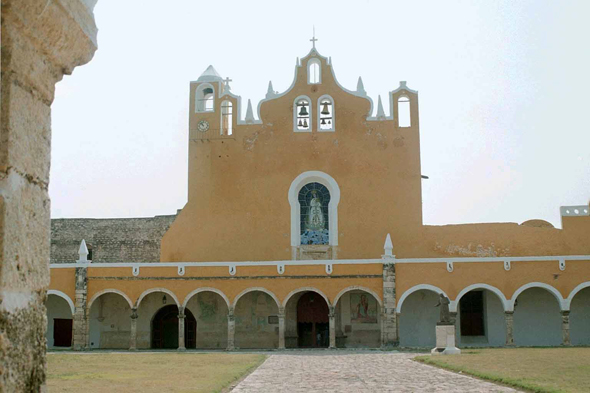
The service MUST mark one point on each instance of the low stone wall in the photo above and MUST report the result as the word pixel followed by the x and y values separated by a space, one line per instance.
pixel 111 240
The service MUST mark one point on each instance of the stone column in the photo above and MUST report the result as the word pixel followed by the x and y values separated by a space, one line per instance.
pixel 231 328
pixel 281 327
pixel 390 332
pixel 41 41
pixel 133 335
pixel 509 317
pixel 332 325
pixel 181 346
pixel 565 328
pixel 80 322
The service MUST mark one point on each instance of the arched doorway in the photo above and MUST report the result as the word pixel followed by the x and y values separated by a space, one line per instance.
pixel 313 329
pixel 59 321
pixel 480 319
pixel 580 318
pixel 537 318
pixel 257 322
pixel 358 320
pixel 417 319
pixel 211 311
pixel 165 328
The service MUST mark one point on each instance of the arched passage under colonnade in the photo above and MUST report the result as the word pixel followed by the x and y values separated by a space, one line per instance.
pixel 109 322
pixel 537 315
pixel 307 319
pixel 580 315
pixel 256 313
pixel 358 318
pixel 210 308
pixel 417 316
pixel 480 319
pixel 60 311
pixel 158 321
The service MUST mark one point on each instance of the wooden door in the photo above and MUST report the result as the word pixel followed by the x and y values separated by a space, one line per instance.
pixel 62 332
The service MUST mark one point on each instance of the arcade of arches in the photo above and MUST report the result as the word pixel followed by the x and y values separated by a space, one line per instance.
pixel 257 320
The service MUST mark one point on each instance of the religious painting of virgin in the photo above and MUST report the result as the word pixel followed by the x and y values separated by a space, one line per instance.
pixel 363 308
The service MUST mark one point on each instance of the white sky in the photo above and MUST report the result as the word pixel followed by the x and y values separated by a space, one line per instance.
pixel 503 85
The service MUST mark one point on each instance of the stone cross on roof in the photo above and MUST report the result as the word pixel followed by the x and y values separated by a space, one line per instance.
pixel 226 82
pixel 313 39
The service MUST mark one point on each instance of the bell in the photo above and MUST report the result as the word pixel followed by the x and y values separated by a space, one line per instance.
pixel 303 111
pixel 323 122
pixel 300 123
pixel 305 123
pixel 329 121
pixel 325 110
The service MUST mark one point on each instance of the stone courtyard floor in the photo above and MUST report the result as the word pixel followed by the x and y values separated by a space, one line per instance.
pixel 320 371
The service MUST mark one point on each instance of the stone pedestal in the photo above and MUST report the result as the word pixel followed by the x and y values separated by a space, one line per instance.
pixel 445 341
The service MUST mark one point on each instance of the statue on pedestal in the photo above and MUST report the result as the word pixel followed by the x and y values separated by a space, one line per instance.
pixel 445 315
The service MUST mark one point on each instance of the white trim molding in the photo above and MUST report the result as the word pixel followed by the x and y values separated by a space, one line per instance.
pixel 568 301
pixel 255 289
pixel 110 290
pixel 325 180
pixel 455 303
pixel 417 288
pixel 560 300
pixel 188 297
pixel 63 296
pixel 154 290
pixel 306 289
pixel 357 288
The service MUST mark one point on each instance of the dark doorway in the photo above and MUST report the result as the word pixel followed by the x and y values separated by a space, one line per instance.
pixel 165 329
pixel 472 318
pixel 62 332
pixel 312 321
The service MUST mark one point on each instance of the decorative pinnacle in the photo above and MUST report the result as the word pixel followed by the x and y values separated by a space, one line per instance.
pixel 83 252
pixel 388 247
pixel 249 113
pixel 270 92
pixel 380 111
pixel 360 87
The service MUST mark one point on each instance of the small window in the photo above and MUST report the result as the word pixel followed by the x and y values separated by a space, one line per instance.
pixel 403 112
pixel 227 118
pixel 205 98
pixel 314 75
pixel 325 114
pixel 302 115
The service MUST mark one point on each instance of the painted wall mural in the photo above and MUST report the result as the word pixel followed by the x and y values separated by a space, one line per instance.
pixel 363 308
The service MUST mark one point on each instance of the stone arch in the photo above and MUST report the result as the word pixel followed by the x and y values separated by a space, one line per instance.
pixel 325 180
pixel 100 293
pixel 455 303
pixel 359 288
pixel 305 289
pixel 552 290
pixel 568 301
pixel 64 296
pixel 253 289
pixel 164 290
pixel 416 288
pixel 188 297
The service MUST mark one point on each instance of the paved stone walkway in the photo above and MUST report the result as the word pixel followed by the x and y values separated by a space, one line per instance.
pixel 357 372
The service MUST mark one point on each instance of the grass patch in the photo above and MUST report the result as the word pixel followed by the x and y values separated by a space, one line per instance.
pixel 147 372
pixel 544 370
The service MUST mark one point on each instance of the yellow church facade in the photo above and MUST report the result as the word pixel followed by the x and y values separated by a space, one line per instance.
pixel 303 229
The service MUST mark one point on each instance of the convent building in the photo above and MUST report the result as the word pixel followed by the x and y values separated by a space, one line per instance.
pixel 303 229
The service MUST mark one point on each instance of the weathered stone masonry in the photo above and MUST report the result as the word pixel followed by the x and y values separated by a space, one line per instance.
pixel 41 41
pixel 111 240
